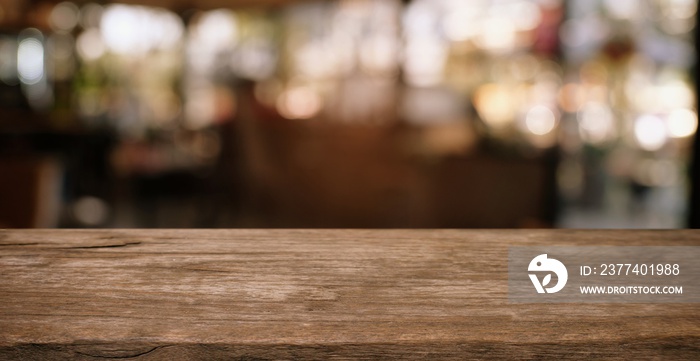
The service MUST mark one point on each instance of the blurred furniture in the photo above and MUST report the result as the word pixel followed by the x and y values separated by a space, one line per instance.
pixel 336 176
pixel 30 192
pixel 43 172
pixel 311 295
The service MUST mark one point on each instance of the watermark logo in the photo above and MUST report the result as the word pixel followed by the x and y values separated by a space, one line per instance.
pixel 604 274
pixel 551 265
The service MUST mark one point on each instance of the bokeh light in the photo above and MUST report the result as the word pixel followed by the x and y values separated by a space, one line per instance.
pixel 64 16
pixel 596 123
pixel 90 45
pixel 650 132
pixel 299 102
pixel 136 30
pixel 91 211
pixel 494 103
pixel 540 120
pixel 682 123
pixel 30 60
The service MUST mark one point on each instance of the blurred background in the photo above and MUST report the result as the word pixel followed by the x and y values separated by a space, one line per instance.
pixel 348 113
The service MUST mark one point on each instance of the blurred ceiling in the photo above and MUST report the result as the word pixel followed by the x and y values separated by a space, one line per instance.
pixel 194 4
pixel 19 14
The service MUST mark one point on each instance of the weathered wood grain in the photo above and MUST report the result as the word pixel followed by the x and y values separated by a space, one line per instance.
pixel 312 294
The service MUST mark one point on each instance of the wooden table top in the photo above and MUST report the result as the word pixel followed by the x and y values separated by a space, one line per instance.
pixel 312 294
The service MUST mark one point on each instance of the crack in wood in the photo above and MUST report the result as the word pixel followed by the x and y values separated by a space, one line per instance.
pixel 139 354
pixel 105 246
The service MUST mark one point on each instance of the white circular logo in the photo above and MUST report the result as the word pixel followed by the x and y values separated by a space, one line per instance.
pixel 551 265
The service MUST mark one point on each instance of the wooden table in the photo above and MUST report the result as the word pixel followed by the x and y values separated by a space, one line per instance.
pixel 312 294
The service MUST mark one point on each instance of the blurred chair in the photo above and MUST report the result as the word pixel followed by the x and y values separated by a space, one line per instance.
pixel 29 192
